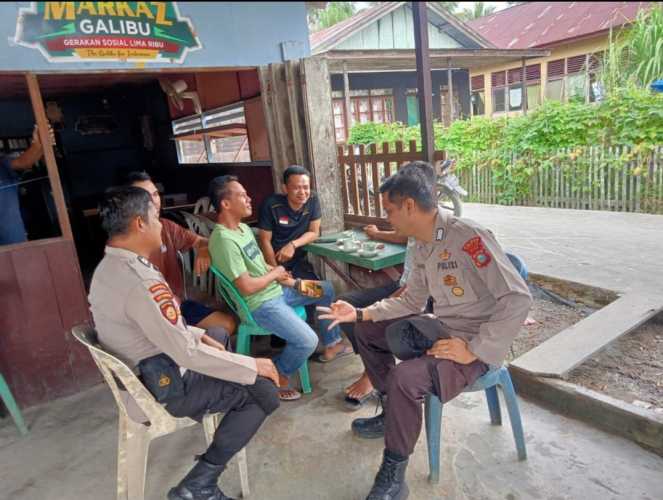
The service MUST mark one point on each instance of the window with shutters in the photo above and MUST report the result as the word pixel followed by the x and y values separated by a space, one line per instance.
pixel 533 82
pixel 478 95
pixel 515 79
pixel 498 81
pixel 215 136
pixel 575 79
pixel 555 83
pixel 375 105
pixel 338 108
pixel 596 89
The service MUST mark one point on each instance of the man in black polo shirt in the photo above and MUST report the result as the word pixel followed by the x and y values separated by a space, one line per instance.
pixel 288 222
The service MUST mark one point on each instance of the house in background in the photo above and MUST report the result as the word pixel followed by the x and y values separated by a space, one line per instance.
pixel 575 33
pixel 373 70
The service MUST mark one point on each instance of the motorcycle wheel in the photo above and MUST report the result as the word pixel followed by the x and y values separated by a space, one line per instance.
pixel 450 200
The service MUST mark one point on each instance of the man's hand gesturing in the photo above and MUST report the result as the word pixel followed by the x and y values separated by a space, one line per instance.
pixel 340 312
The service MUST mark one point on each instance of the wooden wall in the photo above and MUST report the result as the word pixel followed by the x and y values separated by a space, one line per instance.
pixel 218 88
pixel 42 297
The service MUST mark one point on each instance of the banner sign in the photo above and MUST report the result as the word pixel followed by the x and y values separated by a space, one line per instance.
pixel 106 31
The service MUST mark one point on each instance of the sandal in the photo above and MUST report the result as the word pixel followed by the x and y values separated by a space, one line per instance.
pixel 347 350
pixel 356 403
pixel 289 394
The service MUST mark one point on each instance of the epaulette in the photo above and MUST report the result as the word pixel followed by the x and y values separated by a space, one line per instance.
pixel 145 269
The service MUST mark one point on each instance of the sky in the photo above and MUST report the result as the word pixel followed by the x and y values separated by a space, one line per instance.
pixel 461 5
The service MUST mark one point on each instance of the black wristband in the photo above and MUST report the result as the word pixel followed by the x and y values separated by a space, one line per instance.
pixel 360 315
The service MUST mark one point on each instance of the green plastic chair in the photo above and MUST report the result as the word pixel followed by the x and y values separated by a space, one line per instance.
pixel 248 325
pixel 10 403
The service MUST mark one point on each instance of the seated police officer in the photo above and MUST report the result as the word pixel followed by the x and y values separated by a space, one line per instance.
pixel 138 317
pixel 479 304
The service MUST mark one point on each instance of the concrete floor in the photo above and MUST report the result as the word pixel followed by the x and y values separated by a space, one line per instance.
pixel 306 451
pixel 613 250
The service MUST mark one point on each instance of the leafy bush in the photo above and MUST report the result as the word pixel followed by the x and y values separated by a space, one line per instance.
pixel 630 116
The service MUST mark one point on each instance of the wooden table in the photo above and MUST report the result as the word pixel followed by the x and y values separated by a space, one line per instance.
pixel 388 257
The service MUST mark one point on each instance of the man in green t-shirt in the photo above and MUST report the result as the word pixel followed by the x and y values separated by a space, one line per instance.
pixel 268 291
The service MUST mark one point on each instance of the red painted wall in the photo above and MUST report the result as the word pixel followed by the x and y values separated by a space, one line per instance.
pixel 42 297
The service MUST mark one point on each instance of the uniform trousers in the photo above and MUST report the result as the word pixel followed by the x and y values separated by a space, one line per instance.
pixel 245 407
pixel 407 383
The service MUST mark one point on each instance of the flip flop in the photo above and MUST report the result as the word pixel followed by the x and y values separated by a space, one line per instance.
pixel 347 350
pixel 356 403
pixel 294 394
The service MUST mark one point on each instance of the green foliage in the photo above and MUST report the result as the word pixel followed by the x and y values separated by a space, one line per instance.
pixel 335 12
pixel 635 56
pixel 478 9
pixel 555 132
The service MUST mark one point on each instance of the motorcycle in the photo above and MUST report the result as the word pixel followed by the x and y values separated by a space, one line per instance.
pixel 449 190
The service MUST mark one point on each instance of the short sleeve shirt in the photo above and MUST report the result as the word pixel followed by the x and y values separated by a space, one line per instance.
pixel 175 238
pixel 12 229
pixel 235 252
pixel 286 224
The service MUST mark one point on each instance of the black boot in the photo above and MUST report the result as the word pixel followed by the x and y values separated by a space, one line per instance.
pixel 390 481
pixel 373 427
pixel 200 483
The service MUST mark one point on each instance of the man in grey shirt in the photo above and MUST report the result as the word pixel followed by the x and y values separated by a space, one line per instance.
pixel 479 304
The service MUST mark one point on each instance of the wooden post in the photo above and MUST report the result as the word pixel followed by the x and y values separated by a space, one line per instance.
pixel 424 85
pixel 49 156
pixel 524 91
pixel 450 86
pixel 346 99
pixel 587 79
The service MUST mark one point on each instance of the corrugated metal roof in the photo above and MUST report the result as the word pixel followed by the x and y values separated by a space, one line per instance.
pixel 326 35
pixel 538 24
pixel 328 38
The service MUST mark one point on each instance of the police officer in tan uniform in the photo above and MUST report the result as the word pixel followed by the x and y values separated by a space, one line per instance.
pixel 138 317
pixel 479 303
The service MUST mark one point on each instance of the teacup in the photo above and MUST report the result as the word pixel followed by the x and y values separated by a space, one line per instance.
pixel 350 246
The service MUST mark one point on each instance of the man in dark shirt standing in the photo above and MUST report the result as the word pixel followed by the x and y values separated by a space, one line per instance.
pixel 12 229
pixel 288 222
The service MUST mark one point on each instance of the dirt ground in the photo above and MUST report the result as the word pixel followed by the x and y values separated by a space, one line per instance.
pixel 630 369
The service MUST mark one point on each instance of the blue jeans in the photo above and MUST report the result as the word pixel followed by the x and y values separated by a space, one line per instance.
pixel 278 317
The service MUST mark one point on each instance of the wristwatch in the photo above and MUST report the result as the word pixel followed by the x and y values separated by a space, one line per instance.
pixel 360 315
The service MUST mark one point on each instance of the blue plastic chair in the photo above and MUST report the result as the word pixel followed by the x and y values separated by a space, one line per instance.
pixel 12 407
pixel 488 382
pixel 248 325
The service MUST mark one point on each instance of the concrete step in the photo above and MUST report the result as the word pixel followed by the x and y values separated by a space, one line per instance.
pixel 562 353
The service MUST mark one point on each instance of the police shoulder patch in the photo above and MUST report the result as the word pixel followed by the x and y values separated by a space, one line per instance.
pixel 170 312
pixel 475 248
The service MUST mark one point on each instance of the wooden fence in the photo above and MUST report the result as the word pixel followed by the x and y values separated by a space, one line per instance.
pixel 616 179
pixel 594 178
pixel 362 170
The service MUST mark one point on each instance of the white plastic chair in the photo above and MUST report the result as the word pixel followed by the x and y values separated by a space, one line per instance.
pixel 202 205
pixel 200 226
pixel 196 224
pixel 136 433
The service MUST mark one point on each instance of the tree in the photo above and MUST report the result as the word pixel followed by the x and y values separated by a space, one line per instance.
pixel 479 9
pixel 635 55
pixel 448 6
pixel 334 13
